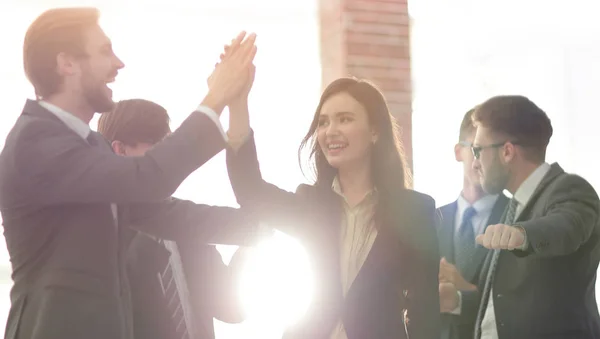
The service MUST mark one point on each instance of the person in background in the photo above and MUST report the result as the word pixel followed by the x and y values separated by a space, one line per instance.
pixel 541 276
pixel 462 259
pixel 207 287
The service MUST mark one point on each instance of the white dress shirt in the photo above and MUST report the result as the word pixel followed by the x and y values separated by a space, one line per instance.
pixel 522 196
pixel 74 123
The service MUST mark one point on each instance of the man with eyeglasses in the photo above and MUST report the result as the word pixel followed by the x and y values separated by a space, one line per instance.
pixel 540 276
pixel 462 258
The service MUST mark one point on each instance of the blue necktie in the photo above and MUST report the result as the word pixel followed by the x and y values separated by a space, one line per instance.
pixel 465 241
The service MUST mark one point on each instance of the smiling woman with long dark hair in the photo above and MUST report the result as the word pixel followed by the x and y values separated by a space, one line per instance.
pixel 371 240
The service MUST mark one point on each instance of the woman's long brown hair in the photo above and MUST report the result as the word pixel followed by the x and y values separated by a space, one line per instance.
pixel 389 170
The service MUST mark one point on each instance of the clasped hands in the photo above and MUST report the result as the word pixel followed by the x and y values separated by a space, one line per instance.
pixel 500 236
pixel 451 281
pixel 232 77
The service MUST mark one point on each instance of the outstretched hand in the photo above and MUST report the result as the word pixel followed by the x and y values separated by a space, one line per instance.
pixel 502 237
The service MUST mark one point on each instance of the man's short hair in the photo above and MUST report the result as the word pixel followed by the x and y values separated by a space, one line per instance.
pixel 467 128
pixel 58 30
pixel 135 121
pixel 518 119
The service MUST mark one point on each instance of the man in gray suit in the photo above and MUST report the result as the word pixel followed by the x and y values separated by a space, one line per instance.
pixel 462 259
pixel 67 200
pixel 540 276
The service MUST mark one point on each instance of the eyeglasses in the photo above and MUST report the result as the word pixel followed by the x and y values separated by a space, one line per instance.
pixel 477 149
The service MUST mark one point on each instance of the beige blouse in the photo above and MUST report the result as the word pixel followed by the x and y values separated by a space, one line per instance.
pixel 357 235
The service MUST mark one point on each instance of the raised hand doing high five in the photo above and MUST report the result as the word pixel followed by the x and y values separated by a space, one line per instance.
pixel 251 71
pixel 230 76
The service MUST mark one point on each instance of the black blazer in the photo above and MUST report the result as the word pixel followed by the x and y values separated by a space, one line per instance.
pixel 548 291
pixel 68 258
pixel 400 272
pixel 211 284
pixel 146 258
pixel 461 326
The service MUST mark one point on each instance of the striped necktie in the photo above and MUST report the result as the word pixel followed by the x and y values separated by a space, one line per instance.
pixel 173 301
pixel 509 219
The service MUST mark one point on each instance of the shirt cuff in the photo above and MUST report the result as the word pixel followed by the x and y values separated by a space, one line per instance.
pixel 214 117
pixel 456 311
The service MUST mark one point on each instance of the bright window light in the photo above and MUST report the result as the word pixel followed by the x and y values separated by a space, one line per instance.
pixel 277 282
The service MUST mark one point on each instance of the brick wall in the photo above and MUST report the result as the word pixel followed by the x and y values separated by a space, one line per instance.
pixel 370 39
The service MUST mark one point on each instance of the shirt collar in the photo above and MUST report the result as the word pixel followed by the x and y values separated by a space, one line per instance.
pixel 72 122
pixel 528 187
pixel 481 206
pixel 337 188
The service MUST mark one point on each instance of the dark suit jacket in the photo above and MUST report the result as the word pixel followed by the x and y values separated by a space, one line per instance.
pixel 400 272
pixel 67 254
pixel 548 291
pixel 146 258
pixel 211 283
pixel 461 326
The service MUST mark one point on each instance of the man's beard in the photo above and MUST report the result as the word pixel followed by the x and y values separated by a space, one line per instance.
pixel 496 179
pixel 98 100
pixel 96 96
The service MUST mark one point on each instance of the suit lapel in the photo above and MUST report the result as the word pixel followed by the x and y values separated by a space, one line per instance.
pixel 553 173
pixel 101 143
pixel 446 231
pixel 373 264
pixel 498 210
pixel 126 233
pixel 32 107
pixel 383 256
pixel 329 207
